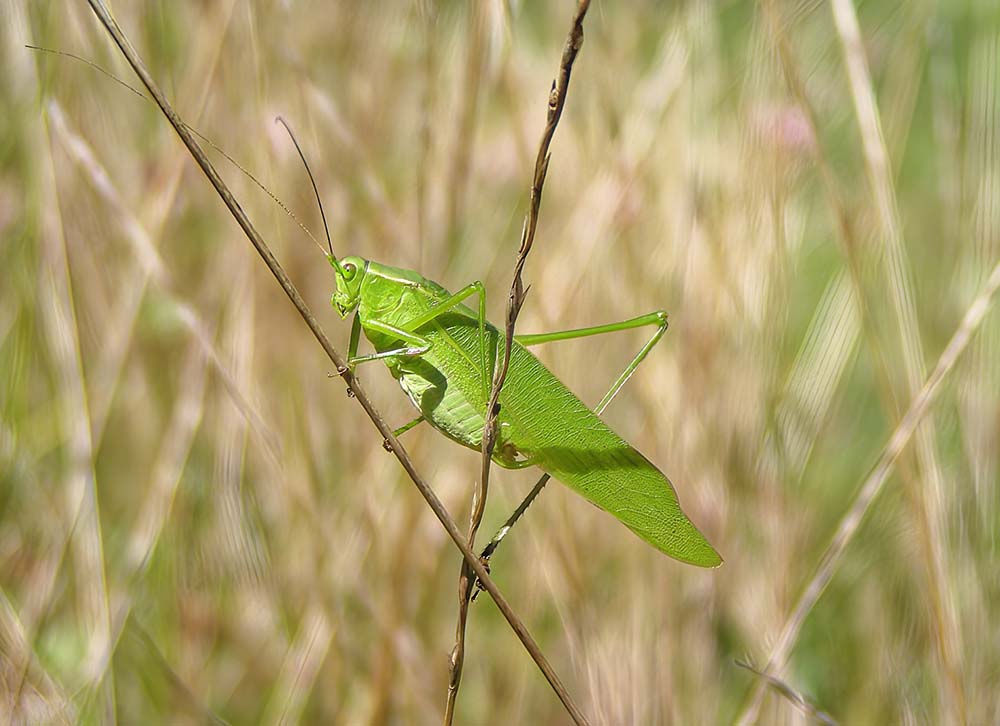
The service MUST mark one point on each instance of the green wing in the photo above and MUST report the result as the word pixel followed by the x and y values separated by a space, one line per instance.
pixel 549 425
pixel 554 428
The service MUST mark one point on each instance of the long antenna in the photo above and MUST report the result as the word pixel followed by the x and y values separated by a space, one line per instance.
pixel 329 242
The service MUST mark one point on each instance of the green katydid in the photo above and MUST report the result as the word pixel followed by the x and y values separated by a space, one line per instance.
pixel 442 352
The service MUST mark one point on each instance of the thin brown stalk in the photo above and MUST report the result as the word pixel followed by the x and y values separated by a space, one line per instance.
pixel 876 479
pixel 515 299
pixel 354 387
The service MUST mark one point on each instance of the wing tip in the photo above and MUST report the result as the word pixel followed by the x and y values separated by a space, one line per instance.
pixel 710 560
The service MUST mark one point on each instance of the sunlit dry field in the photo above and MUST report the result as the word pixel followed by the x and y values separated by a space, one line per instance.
pixel 197 524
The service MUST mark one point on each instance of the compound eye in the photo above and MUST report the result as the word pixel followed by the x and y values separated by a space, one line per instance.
pixel 350 271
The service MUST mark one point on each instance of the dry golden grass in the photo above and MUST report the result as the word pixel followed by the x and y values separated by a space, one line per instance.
pixel 197 524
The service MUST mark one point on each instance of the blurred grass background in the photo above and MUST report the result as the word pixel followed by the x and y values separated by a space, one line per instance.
pixel 196 523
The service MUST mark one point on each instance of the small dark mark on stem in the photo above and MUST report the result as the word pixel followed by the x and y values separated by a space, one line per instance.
pixel 489 549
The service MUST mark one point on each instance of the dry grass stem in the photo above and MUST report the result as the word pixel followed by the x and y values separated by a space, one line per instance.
pixel 515 299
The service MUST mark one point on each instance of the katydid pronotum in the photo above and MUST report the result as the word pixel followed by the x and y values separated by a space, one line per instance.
pixel 442 352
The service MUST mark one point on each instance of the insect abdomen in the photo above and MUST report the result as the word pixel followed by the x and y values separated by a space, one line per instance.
pixel 446 407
